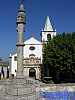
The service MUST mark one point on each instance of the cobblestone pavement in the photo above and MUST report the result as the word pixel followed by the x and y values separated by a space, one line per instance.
pixel 19 89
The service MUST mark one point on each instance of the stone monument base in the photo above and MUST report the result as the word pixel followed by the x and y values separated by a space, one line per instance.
pixel 19 89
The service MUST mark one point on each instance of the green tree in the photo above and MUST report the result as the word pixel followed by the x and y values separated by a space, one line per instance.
pixel 59 58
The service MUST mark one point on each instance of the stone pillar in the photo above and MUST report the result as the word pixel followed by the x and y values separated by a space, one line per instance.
pixel 20 41
pixel 20 66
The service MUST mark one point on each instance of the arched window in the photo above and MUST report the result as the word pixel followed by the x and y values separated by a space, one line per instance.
pixel 48 36
pixel 32 58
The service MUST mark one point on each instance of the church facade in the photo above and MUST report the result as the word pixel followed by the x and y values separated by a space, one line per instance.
pixel 32 53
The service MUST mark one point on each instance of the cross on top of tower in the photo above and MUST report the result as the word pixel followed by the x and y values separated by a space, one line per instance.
pixel 21 1
pixel 32 34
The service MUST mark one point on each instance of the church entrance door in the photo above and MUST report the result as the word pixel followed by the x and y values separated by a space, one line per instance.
pixel 32 73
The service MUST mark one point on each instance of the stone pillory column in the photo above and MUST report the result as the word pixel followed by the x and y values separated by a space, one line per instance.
pixel 20 42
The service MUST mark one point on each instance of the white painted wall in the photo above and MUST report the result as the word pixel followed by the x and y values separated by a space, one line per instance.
pixel 13 65
pixel 38 48
pixel 37 52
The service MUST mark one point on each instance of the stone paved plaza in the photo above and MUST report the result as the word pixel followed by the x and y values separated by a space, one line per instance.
pixel 29 89
pixel 19 89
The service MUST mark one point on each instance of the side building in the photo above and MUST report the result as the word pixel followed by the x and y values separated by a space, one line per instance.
pixel 4 69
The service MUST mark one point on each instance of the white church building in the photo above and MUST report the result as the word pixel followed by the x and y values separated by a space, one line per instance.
pixel 33 53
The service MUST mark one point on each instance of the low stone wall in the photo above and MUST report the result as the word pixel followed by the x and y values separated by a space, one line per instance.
pixel 70 87
pixel 46 87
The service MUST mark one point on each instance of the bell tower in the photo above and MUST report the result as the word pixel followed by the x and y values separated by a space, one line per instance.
pixel 49 31
pixel 21 21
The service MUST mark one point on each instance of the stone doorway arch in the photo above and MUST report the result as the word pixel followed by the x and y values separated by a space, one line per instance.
pixel 32 72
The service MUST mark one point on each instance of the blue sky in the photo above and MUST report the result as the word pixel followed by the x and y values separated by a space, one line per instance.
pixel 61 11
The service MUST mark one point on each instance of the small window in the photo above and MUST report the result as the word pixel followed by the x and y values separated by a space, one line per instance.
pixel 15 58
pixel 32 48
pixel 48 36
